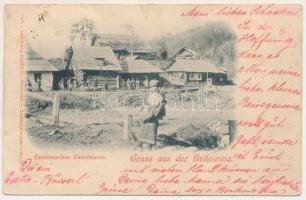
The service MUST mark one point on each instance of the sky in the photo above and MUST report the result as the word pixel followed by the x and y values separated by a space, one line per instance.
pixel 51 36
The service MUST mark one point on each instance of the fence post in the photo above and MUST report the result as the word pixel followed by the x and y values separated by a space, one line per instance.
pixel 126 126
pixel 56 108
pixel 231 130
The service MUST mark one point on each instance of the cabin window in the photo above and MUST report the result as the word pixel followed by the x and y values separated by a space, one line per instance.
pixel 100 61
pixel 195 76
pixel 37 77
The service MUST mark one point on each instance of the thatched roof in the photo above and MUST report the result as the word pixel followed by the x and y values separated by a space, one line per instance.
pixel 58 63
pixel 36 63
pixel 134 64
pixel 94 58
pixel 187 60
pixel 186 53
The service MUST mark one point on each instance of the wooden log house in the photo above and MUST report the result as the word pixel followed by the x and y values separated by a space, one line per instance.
pixel 96 64
pixel 135 67
pixel 188 67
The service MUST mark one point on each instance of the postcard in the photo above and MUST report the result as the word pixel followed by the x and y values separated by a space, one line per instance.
pixel 114 99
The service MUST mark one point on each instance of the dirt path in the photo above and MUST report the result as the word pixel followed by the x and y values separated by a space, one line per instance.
pixel 105 128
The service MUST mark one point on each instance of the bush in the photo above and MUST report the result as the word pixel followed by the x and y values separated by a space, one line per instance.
pixel 35 105
pixel 80 102
pixel 200 136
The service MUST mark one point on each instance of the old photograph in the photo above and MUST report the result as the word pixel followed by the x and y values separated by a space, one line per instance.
pixel 121 89
pixel 153 99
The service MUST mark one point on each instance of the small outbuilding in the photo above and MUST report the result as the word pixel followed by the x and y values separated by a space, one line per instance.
pixel 40 73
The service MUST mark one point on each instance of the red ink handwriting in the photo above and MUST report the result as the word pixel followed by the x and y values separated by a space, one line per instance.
pixel 194 12
pixel 271 10
pixel 262 123
pixel 13 178
pixel 257 40
pixel 261 70
pixel 248 102
pixel 104 189
pixel 248 86
pixel 154 189
pixel 27 165
pixel 282 87
pixel 125 178
pixel 58 178
pixel 231 11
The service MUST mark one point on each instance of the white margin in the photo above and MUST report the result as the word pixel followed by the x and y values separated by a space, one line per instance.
pixel 9 197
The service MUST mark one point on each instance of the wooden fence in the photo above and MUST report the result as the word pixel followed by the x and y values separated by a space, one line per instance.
pixel 55 100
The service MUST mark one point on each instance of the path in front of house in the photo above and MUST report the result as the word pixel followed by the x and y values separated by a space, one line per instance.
pixel 105 128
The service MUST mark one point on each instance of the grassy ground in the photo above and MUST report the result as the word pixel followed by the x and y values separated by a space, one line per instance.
pixel 98 126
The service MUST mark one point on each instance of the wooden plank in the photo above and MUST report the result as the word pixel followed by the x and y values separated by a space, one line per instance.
pixel 40 97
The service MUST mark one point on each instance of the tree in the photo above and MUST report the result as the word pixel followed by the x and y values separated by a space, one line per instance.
pixel 68 56
pixel 84 28
pixel 162 49
pixel 213 41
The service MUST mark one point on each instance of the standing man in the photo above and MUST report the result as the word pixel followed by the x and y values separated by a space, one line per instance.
pixel 95 84
pixel 29 85
pixel 128 84
pixel 70 84
pixel 147 138
pixel 122 84
pixel 137 84
pixel 133 83
pixel 61 84
pixel 39 85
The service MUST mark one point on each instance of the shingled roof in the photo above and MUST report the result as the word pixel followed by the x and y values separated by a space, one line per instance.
pixel 36 63
pixel 94 58
pixel 134 64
